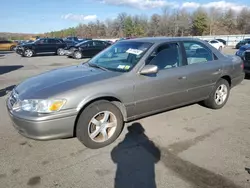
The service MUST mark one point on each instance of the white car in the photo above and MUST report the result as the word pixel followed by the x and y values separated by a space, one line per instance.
pixel 217 44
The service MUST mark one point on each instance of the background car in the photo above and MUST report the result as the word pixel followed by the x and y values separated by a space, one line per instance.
pixel 87 48
pixel 242 43
pixel 8 45
pixel 42 46
pixel 223 41
pixel 244 53
pixel 217 44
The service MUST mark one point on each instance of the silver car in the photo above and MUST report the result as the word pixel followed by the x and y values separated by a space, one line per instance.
pixel 126 81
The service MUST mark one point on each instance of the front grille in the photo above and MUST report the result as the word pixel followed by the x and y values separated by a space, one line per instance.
pixel 13 98
pixel 247 56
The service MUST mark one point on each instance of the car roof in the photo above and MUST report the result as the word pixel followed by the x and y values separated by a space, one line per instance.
pixel 160 39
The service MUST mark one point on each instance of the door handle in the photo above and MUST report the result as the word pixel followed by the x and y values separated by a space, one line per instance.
pixel 218 71
pixel 182 78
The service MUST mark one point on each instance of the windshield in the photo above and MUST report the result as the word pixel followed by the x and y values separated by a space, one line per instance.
pixel 122 56
pixel 79 44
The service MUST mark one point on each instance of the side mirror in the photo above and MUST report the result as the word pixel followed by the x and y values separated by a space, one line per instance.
pixel 149 69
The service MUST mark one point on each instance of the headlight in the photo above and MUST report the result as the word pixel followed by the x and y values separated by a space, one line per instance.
pixel 40 106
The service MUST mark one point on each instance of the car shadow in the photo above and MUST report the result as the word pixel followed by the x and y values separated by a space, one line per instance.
pixel 6 90
pixel 135 157
pixel 6 52
pixel 9 68
pixel 44 55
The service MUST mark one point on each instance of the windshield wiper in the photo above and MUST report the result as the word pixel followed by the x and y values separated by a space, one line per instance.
pixel 97 66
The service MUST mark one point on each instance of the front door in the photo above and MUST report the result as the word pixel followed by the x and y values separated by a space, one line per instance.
pixel 52 47
pixel 42 46
pixel 166 88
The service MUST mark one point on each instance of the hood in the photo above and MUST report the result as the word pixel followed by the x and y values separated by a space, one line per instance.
pixel 26 44
pixel 61 80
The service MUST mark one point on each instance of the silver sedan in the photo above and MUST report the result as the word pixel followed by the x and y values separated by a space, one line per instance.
pixel 126 81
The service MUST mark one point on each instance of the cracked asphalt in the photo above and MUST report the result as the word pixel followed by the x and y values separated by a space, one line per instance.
pixel 189 147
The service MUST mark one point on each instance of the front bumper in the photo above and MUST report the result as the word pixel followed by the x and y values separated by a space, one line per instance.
pixel 56 128
pixel 68 53
pixel 19 51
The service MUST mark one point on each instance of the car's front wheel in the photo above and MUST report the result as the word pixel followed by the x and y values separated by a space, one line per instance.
pixel 28 53
pixel 99 124
pixel 77 55
pixel 219 96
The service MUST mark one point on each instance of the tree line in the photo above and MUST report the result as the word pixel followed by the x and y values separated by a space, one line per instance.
pixel 168 23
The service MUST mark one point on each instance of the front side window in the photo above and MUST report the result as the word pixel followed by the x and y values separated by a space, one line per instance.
pixel 42 41
pixel 197 52
pixel 51 41
pixel 98 43
pixel 166 56
pixel 122 56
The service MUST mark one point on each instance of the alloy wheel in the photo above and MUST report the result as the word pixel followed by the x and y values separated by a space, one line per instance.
pixel 102 126
pixel 221 94
pixel 28 53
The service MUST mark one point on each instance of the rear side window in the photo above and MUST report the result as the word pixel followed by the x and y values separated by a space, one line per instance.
pixel 197 52
pixel 213 41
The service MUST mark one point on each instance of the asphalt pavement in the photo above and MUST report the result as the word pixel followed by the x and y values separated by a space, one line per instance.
pixel 189 147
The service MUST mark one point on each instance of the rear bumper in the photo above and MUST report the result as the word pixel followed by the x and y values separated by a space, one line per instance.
pixel 237 80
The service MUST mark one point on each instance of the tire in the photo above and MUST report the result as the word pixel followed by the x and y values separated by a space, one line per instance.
pixel 77 55
pixel 211 102
pixel 28 53
pixel 12 48
pixel 220 48
pixel 60 52
pixel 95 113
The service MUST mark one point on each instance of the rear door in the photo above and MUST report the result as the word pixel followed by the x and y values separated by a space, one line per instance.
pixel 202 70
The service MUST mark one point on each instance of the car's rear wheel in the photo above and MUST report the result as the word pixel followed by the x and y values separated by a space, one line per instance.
pixel 28 53
pixel 220 48
pixel 12 48
pixel 77 55
pixel 60 51
pixel 219 96
pixel 99 124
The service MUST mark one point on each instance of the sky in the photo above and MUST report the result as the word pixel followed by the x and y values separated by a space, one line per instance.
pixel 38 16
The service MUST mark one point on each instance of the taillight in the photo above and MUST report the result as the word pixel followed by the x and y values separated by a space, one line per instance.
pixel 242 65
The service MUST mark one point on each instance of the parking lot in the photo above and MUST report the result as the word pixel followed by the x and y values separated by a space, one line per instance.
pixel 189 147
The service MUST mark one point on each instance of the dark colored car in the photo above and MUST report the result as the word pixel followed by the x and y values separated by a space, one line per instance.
pixel 242 43
pixel 223 41
pixel 88 48
pixel 70 43
pixel 72 39
pixel 42 46
pixel 93 100
pixel 244 53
